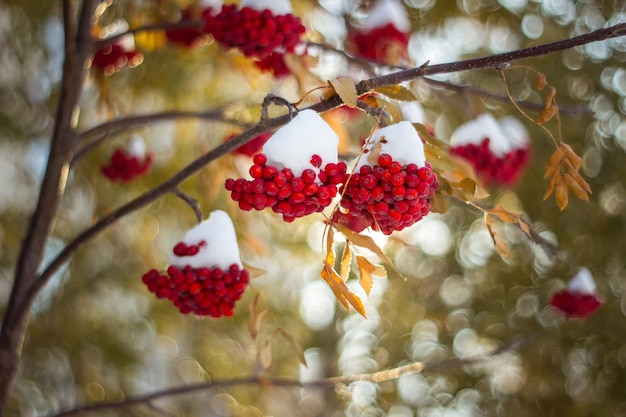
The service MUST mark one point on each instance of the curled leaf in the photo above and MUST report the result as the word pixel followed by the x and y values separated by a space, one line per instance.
pixel 540 81
pixel 346 90
pixel 501 247
pixel 346 260
pixel 366 270
pixel 546 114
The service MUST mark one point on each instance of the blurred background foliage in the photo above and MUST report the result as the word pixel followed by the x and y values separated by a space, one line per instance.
pixel 96 334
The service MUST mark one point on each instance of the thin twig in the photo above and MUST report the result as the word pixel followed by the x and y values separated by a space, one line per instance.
pixel 186 24
pixel 192 202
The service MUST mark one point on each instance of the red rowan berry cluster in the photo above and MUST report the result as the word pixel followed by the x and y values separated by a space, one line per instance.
pixel 504 170
pixel 283 192
pixel 379 43
pixel 125 166
pixel 202 291
pixel 256 33
pixel 274 63
pixel 389 196
pixel 113 57
pixel 187 37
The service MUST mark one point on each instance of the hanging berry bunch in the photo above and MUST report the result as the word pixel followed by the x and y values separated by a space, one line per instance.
pixel 498 150
pixel 126 164
pixel 258 29
pixel 114 56
pixel 274 63
pixel 384 35
pixel 206 276
pixel 189 37
pixel 392 185
pixel 580 298
pixel 298 173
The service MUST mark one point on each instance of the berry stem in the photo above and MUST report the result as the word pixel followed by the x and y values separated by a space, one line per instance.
pixel 193 203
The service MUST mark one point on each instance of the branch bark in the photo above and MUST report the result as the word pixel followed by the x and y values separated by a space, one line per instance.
pixel 77 49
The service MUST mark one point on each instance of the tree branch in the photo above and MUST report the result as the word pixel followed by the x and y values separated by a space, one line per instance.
pixel 113 127
pixel 328 383
pixel 325 105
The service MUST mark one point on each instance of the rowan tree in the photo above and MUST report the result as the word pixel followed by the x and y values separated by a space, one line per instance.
pixel 312 208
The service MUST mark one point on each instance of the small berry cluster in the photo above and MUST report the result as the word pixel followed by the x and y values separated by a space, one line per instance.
pixel 113 57
pixel 389 196
pixel 187 37
pixel 379 43
pixel 254 146
pixel 256 33
pixel 125 166
pixel 202 291
pixel 274 63
pixel 574 304
pixel 283 192
pixel 493 169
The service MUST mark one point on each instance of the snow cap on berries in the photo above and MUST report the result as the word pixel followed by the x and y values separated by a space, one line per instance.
pixel 277 7
pixel 582 283
pixel 137 147
pixel 388 12
pixel 293 145
pixel 505 136
pixel 413 112
pixel 400 140
pixel 220 244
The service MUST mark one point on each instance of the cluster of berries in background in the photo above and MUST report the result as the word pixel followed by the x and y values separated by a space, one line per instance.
pixel 257 32
pixel 384 34
pixel 205 276
pixel 188 37
pixel 126 164
pixel 114 56
pixel 499 150
pixel 580 298
pixel 254 146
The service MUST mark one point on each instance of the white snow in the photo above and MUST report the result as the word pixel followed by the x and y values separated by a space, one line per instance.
pixel 413 112
pixel 277 7
pixel 385 12
pixel 401 142
pixel 137 147
pixel 221 247
pixel 504 136
pixel 582 283
pixel 294 144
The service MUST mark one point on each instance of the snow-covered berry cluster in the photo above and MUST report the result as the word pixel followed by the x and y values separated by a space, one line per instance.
pixel 126 164
pixel 579 299
pixel 298 174
pixel 498 150
pixel 384 34
pixel 392 191
pixel 205 276
pixel 115 56
pixel 292 196
pixel 258 29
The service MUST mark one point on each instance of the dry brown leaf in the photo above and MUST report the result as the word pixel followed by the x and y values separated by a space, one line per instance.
pixel 572 157
pixel 554 163
pixel 366 270
pixel 330 252
pixel 438 204
pixel 551 185
pixel 255 311
pixel 346 90
pixel 346 260
pixel 333 279
pixel 575 188
pixel 374 153
pixel 363 242
pixel 504 215
pixel 561 194
pixel 540 81
pixel 546 114
pixel 265 355
pixel 353 300
pixel 501 247
pixel 396 92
